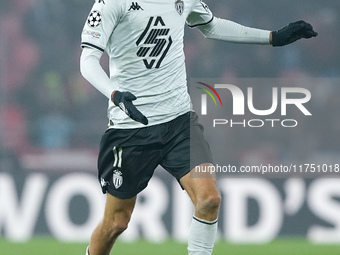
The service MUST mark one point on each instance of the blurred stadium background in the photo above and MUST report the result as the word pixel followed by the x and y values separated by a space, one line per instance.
pixel 51 121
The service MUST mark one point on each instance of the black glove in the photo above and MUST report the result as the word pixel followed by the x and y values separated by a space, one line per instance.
pixel 292 32
pixel 124 101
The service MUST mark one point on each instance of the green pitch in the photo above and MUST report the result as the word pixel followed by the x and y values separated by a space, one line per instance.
pixel 48 246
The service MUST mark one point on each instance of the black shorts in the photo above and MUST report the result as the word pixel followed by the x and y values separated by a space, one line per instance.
pixel 128 157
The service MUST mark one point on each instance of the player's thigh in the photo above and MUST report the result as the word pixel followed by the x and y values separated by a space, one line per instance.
pixel 127 159
pixel 200 185
pixel 187 146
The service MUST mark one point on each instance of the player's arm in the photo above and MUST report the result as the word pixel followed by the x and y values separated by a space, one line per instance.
pixel 226 30
pixel 93 72
pixel 212 27
pixel 221 29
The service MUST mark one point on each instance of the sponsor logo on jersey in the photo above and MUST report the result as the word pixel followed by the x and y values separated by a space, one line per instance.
pixel 135 7
pixel 94 19
pixel 179 5
pixel 155 42
pixel 91 33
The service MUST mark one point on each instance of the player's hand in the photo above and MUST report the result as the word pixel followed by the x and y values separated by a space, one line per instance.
pixel 124 101
pixel 292 32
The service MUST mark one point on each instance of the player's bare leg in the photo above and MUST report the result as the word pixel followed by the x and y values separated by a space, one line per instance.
pixel 203 191
pixel 117 215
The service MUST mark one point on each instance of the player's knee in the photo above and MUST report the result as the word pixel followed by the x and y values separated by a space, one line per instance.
pixel 119 227
pixel 115 229
pixel 117 224
pixel 209 203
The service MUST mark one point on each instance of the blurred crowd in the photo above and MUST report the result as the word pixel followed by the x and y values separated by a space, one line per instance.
pixel 46 104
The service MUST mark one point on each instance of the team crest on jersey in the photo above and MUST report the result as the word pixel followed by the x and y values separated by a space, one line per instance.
pixel 94 19
pixel 117 178
pixel 179 5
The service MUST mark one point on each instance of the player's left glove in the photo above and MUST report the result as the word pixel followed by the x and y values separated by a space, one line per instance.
pixel 292 32
pixel 124 101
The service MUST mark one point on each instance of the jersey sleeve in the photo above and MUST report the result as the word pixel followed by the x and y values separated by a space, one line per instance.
pixel 200 15
pixel 101 22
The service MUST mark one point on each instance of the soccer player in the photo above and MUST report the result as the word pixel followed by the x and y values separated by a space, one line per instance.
pixel 151 121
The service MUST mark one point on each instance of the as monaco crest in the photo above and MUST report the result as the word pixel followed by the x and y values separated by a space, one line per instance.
pixel 117 179
pixel 179 5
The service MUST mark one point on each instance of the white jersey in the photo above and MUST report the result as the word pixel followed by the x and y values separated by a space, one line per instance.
pixel 144 41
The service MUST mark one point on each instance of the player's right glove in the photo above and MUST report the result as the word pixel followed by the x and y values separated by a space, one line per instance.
pixel 292 32
pixel 124 101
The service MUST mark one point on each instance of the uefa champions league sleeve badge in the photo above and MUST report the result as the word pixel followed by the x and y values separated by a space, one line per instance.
pixel 94 19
